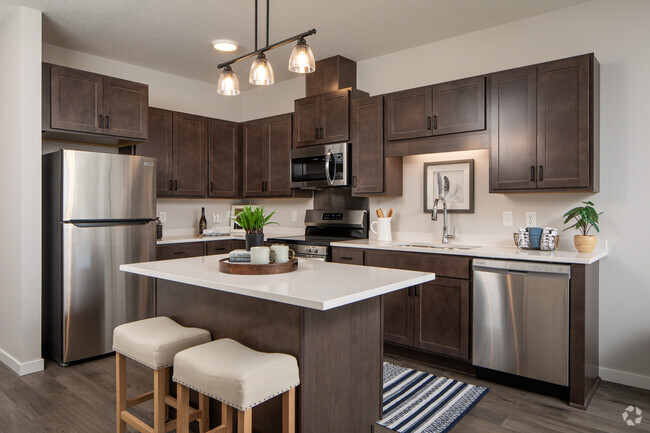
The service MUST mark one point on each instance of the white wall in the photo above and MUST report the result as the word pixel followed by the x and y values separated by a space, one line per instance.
pixel 618 33
pixel 20 189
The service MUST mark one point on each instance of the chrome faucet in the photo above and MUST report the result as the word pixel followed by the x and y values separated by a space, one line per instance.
pixel 434 217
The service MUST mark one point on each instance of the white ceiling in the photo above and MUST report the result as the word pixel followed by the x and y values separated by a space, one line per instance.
pixel 175 35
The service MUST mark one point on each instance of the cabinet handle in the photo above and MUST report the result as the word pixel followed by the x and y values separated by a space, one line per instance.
pixel 428 122
pixel 354 181
pixel 435 122
pixel 101 121
pixel 106 122
pixel 532 173
pixel 211 186
pixel 171 185
pixel 346 258
pixel 176 185
pixel 415 289
pixel 219 249
pixel 541 172
pixel 410 291
pixel 321 133
pixel 316 133
pixel 179 252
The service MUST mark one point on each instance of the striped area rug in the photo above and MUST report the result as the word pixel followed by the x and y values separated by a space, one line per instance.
pixel 417 402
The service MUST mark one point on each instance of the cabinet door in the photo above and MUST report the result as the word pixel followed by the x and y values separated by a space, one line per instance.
pixel 254 151
pixel 459 106
pixel 335 117
pixel 190 155
pixel 563 133
pixel 217 247
pixel 224 159
pixel 398 316
pixel 513 146
pixel 409 114
pixel 349 256
pixel 307 121
pixel 159 146
pixel 125 108
pixel 278 138
pixel 178 251
pixel 76 101
pixel 367 131
pixel 442 317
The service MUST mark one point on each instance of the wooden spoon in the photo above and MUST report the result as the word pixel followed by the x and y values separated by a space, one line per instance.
pixel 390 213
pixel 380 213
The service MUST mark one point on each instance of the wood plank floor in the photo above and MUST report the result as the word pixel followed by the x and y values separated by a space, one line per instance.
pixel 81 399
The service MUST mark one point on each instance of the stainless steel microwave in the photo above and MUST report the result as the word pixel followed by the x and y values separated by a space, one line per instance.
pixel 321 166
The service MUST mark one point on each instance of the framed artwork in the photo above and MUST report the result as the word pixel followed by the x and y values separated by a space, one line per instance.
pixel 236 229
pixel 451 180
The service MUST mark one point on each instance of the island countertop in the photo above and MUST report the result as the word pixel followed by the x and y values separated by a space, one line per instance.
pixel 317 285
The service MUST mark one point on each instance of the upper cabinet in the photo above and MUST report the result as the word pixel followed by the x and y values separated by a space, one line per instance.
pixel 224 159
pixel 266 144
pixel 447 108
pixel 178 141
pixel 322 119
pixel 78 102
pixel 544 132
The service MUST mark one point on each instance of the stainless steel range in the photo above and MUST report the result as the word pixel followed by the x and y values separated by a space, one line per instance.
pixel 323 226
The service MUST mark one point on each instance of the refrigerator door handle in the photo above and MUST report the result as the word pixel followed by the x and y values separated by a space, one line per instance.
pixel 109 223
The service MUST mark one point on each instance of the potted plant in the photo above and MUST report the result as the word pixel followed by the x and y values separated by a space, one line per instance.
pixel 585 218
pixel 253 219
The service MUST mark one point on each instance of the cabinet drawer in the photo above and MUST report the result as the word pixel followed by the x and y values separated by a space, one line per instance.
pixel 347 255
pixel 441 265
pixel 177 251
pixel 217 247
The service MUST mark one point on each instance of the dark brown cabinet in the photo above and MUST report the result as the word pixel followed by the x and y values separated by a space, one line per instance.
pixel 82 102
pixel 544 133
pixel 322 119
pixel 447 108
pixel 266 145
pixel 178 251
pixel 432 317
pixel 178 142
pixel 224 159
pixel 372 173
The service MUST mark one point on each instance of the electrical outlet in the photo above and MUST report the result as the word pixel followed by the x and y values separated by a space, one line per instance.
pixel 507 219
pixel 294 215
pixel 163 217
pixel 531 219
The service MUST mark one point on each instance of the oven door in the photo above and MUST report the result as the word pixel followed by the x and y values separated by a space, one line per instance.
pixel 320 166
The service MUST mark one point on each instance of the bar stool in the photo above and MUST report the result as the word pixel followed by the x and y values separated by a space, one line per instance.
pixel 239 378
pixel 152 342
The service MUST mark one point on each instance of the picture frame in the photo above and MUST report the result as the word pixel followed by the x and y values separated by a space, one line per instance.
pixel 235 229
pixel 453 180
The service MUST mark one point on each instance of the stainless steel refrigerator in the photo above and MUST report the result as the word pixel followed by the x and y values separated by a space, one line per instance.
pixel 98 213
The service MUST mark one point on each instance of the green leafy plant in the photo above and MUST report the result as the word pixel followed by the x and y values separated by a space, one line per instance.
pixel 585 218
pixel 253 219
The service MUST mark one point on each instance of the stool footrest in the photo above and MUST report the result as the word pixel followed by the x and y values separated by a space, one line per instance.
pixel 139 399
pixel 136 422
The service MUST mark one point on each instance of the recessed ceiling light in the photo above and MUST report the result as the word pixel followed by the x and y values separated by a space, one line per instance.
pixel 224 45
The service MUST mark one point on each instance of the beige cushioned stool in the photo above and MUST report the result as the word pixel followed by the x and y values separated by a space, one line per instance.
pixel 152 342
pixel 239 377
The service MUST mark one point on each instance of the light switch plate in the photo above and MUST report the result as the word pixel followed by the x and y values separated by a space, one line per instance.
pixel 507 219
pixel 163 217
pixel 294 215
pixel 531 219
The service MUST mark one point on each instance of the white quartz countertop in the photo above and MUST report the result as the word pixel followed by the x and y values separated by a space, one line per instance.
pixel 485 251
pixel 315 284
pixel 179 239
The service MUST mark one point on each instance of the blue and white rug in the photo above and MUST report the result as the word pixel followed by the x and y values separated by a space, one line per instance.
pixel 418 402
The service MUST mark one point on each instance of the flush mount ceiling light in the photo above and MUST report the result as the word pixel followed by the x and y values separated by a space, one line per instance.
pixel 224 45
pixel 261 74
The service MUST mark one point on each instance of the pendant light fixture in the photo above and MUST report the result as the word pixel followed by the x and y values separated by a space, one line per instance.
pixel 261 73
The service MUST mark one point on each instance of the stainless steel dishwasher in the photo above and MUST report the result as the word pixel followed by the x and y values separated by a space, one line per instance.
pixel 521 319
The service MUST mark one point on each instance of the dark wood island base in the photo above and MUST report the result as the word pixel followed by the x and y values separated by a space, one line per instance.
pixel 339 352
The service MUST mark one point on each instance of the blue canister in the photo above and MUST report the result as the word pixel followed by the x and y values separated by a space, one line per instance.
pixel 535 234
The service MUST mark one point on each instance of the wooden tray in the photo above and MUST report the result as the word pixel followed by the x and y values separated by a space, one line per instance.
pixel 227 267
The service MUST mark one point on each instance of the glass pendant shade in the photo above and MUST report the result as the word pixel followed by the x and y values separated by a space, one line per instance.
pixel 228 83
pixel 302 58
pixel 261 72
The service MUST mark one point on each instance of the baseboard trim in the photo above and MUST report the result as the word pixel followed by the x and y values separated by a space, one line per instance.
pixel 21 368
pixel 624 378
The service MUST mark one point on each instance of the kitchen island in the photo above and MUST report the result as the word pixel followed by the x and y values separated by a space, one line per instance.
pixel 327 315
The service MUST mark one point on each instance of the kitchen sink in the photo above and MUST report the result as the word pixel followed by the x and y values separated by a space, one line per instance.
pixel 435 246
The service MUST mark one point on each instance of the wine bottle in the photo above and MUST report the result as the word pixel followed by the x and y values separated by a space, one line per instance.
pixel 203 224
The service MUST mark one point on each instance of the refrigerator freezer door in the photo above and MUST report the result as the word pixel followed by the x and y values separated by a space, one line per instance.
pixel 97 296
pixel 103 186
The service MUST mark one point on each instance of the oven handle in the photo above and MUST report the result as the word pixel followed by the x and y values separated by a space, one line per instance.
pixel 328 156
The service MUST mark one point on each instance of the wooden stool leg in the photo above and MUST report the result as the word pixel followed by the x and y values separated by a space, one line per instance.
pixel 120 391
pixel 289 411
pixel 244 421
pixel 183 409
pixel 159 380
pixel 166 381
pixel 204 407
pixel 227 417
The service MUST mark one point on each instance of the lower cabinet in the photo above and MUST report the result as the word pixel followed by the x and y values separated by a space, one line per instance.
pixel 432 317
pixel 197 249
